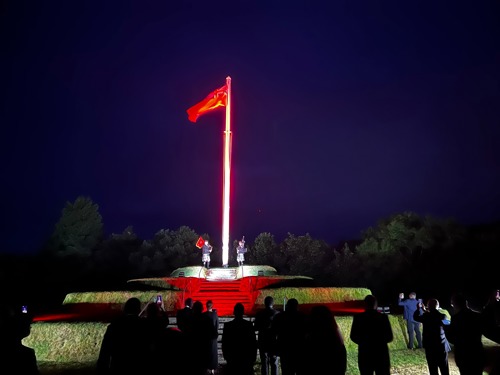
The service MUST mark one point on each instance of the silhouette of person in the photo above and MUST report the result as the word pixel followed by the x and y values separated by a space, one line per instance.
pixel 184 315
pixel 14 327
pixel 164 342
pixel 491 329
pixel 213 357
pixel 156 316
pixel 156 323
pixel 491 317
pixel 266 338
pixel 434 338
pixel 325 349
pixel 372 332
pixel 205 254
pixel 465 333
pixel 200 335
pixel 124 347
pixel 239 344
pixel 290 329
pixel 413 327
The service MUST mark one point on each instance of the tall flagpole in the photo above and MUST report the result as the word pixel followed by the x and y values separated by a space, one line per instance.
pixel 227 178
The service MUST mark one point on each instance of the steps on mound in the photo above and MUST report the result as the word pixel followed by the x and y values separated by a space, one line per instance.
pixel 224 294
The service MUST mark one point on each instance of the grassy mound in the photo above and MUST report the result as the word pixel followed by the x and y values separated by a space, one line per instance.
pixel 81 342
pixel 66 342
pixel 305 295
pixel 170 297
pixel 313 295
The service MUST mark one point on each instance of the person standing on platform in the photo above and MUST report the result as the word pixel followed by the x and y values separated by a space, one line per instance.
pixel 205 254
pixel 240 252
pixel 413 327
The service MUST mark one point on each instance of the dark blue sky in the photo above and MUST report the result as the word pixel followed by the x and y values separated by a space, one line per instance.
pixel 342 114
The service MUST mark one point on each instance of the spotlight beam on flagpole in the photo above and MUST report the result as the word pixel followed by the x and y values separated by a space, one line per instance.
pixel 227 178
pixel 220 98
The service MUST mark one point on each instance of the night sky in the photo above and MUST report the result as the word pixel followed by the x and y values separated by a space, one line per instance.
pixel 342 115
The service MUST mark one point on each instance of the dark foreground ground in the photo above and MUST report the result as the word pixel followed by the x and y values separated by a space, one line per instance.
pixel 404 362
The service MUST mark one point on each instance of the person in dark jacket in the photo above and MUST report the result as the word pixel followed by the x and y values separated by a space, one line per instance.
pixel 200 335
pixel 184 315
pixel 372 332
pixel 324 348
pixel 465 333
pixel 124 347
pixel 213 360
pixel 167 345
pixel 266 337
pixel 290 329
pixel 410 306
pixel 239 345
pixel 434 338
pixel 491 317
pixel 14 327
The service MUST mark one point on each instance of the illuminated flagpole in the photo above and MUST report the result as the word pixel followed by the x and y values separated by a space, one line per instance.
pixel 227 177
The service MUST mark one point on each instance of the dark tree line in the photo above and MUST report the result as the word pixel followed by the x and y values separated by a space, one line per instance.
pixel 401 253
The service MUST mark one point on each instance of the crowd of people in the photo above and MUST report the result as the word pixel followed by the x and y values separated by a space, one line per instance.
pixel 289 342
pixel 465 331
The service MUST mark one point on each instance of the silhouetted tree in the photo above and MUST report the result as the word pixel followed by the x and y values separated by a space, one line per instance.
pixel 303 255
pixel 263 250
pixel 112 258
pixel 78 231
pixel 343 268
pixel 408 249
pixel 66 260
pixel 167 251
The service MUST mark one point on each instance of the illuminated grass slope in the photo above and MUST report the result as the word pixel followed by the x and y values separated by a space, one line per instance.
pixel 246 284
pixel 80 342
pixel 303 295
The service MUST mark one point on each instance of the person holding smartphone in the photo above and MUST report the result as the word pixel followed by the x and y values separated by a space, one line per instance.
pixel 15 325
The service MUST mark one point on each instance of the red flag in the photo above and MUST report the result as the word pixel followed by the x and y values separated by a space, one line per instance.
pixel 200 242
pixel 215 99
